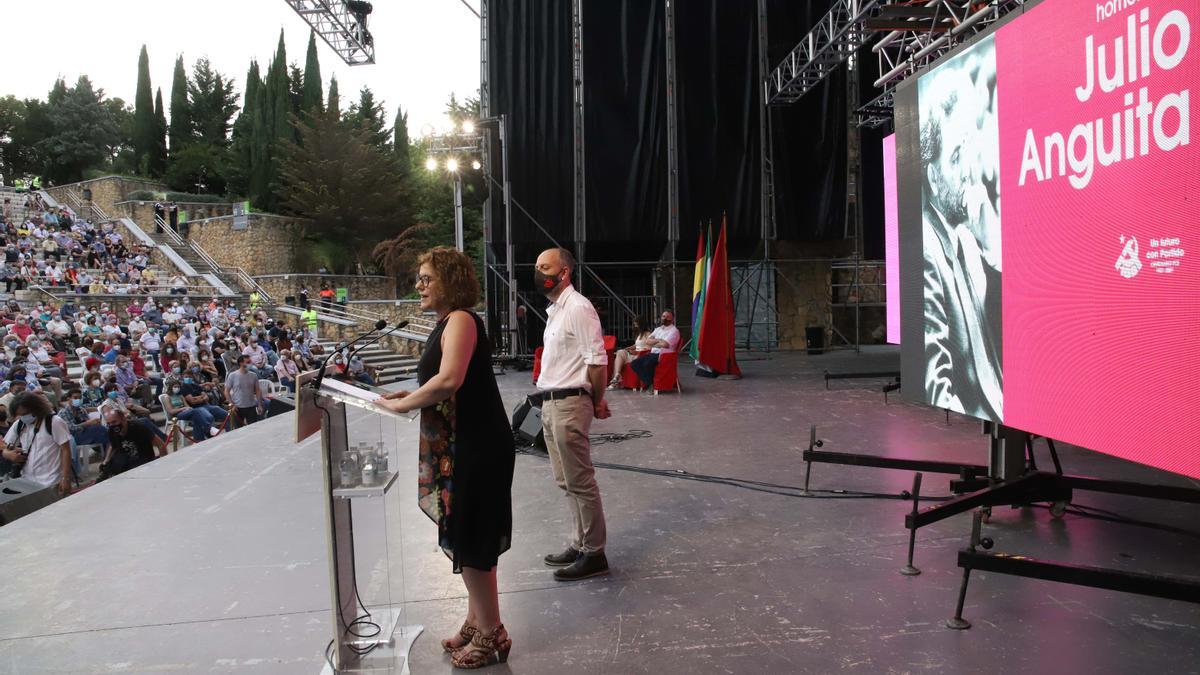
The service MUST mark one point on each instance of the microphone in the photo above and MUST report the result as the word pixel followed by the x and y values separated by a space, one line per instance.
pixel 377 338
pixel 316 383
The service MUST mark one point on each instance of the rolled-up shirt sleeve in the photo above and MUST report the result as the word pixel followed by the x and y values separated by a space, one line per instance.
pixel 591 337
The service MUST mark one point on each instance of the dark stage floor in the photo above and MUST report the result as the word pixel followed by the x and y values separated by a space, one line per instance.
pixel 216 562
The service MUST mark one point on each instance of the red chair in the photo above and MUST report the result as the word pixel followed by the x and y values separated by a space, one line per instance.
pixel 537 364
pixel 666 374
pixel 610 347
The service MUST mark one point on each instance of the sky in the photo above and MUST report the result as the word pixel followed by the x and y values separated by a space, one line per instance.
pixel 424 49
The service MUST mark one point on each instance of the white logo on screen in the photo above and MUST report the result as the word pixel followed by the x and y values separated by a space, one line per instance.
pixel 1128 264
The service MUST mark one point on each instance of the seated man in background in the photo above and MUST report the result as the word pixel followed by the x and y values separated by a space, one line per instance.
pixel 664 340
pixel 130 445
pixel 85 429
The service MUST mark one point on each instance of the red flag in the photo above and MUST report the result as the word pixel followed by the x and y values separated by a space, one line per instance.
pixel 716 326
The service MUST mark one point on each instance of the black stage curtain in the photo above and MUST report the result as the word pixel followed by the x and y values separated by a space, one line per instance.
pixel 716 72
pixel 809 149
pixel 625 123
pixel 871 158
pixel 625 116
pixel 529 44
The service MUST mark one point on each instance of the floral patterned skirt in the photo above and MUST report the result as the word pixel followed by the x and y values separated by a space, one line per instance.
pixel 435 471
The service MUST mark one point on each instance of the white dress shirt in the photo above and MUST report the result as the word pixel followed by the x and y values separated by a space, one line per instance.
pixel 668 334
pixel 572 342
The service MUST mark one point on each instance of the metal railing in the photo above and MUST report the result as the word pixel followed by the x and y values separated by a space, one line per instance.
pixel 98 213
pixel 161 225
pixel 247 281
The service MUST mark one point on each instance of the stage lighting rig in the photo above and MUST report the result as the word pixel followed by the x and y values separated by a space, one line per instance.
pixel 342 24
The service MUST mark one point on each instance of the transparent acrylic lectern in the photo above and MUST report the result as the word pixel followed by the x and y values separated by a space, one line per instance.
pixel 358 465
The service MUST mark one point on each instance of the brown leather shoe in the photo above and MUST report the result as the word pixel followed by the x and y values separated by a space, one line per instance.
pixel 562 559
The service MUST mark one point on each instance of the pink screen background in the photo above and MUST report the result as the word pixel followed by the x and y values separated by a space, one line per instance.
pixel 1090 357
pixel 891 239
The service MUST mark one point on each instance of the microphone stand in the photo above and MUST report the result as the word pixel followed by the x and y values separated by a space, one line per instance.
pixel 379 325
pixel 377 338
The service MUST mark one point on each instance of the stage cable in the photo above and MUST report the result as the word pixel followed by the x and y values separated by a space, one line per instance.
pixel 743 483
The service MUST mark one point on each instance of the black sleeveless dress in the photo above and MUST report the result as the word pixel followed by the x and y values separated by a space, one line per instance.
pixel 464 477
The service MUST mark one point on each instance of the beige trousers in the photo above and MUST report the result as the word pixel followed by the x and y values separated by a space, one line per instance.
pixel 566 423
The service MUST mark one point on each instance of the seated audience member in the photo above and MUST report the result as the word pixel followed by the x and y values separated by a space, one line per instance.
pixel 624 356
pixel 357 370
pixel 258 358
pixel 204 417
pixel 286 370
pixel 85 427
pixel 129 445
pixel 39 443
pixel 664 339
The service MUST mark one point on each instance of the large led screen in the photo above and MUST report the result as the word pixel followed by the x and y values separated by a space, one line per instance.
pixel 891 240
pixel 1054 188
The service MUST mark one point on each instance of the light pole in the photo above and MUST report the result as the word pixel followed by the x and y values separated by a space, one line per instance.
pixel 469 140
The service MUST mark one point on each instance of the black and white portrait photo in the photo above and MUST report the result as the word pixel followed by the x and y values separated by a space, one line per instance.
pixel 961 233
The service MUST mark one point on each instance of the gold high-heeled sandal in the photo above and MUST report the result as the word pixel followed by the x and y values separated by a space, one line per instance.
pixel 465 634
pixel 484 649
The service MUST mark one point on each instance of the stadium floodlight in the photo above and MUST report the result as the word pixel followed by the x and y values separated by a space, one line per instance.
pixel 431 164
pixel 476 165
pixel 468 127
pixel 452 164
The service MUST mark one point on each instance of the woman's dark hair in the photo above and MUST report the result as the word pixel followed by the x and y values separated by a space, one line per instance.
pixel 640 322
pixel 33 403
pixel 456 275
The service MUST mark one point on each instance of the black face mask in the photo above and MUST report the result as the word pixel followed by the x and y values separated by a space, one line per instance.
pixel 544 283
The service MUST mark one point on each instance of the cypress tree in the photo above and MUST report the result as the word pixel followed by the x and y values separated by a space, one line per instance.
pixel 400 140
pixel 335 104
pixel 181 111
pixel 143 115
pixel 158 156
pixel 239 182
pixel 312 78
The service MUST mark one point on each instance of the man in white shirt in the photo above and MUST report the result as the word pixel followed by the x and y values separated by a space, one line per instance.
pixel 664 339
pixel 571 389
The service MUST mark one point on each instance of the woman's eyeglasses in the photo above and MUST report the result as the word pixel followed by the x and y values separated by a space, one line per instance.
pixel 424 280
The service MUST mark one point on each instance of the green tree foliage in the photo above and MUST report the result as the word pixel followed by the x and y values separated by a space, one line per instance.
pixel 400 140
pixel 182 128
pixel 17 156
pixel 144 124
pixel 368 116
pixel 243 135
pixel 351 189
pixel 158 156
pixel 335 101
pixel 311 101
pixel 79 132
pixel 296 87
pixel 201 168
pixel 212 104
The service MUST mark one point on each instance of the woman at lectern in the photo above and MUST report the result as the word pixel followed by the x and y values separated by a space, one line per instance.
pixel 464 480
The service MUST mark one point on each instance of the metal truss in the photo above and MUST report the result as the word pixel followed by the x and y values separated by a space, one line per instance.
pixel 835 37
pixel 917 35
pixel 939 27
pixel 333 21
